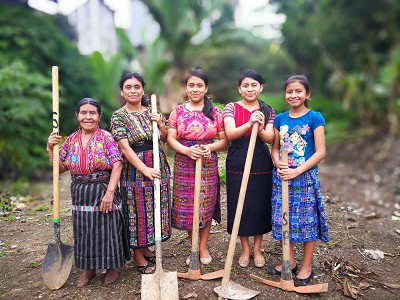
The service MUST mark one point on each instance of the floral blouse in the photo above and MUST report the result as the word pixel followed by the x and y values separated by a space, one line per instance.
pixel 194 125
pixel 100 153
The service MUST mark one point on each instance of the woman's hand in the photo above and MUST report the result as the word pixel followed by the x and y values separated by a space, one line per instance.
pixel 151 173
pixel 285 172
pixel 157 118
pixel 106 204
pixel 194 152
pixel 257 116
pixel 206 151
pixel 53 139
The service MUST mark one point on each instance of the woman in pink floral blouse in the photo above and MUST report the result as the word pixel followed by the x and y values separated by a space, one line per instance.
pixel 95 163
pixel 196 130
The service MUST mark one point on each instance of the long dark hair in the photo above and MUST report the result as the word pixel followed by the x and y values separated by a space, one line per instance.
pixel 264 108
pixel 302 79
pixel 128 75
pixel 208 105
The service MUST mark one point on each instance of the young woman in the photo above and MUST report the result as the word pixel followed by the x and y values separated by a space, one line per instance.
pixel 132 128
pixel 196 130
pixel 239 118
pixel 94 161
pixel 301 132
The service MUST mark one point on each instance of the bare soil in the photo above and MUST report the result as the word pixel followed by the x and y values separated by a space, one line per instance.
pixel 361 185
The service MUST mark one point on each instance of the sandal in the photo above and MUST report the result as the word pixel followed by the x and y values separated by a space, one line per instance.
pixel 151 259
pixel 146 269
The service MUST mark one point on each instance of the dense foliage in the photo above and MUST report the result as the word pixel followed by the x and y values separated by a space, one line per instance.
pixel 350 49
pixel 30 44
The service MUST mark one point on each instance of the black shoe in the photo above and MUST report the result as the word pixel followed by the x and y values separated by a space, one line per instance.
pixel 273 271
pixel 305 281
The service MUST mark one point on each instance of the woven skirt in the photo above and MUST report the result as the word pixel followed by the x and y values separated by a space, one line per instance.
pixel 100 240
pixel 256 215
pixel 307 217
pixel 183 190
pixel 138 201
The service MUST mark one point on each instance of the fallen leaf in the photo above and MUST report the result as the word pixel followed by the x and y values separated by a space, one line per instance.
pixel 363 285
pixel 348 290
pixel 190 295
pixel 391 285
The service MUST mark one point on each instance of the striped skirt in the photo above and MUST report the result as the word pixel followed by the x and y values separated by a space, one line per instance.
pixel 307 218
pixel 183 191
pixel 99 238
pixel 138 201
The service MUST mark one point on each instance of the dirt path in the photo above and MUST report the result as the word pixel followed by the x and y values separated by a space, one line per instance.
pixel 363 205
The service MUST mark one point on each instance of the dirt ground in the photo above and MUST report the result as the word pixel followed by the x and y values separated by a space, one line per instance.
pixel 361 185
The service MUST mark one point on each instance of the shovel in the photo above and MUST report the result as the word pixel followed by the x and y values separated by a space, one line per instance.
pixel 286 283
pixel 59 256
pixel 194 265
pixel 229 289
pixel 160 285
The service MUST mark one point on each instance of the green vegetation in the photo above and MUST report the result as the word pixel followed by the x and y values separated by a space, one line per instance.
pixel 349 50
pixel 35 264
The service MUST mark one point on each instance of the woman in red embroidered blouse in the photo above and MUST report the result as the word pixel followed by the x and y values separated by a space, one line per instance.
pixel 95 163
pixel 239 118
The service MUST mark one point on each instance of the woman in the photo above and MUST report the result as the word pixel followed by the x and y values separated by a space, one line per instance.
pixel 239 118
pixel 196 130
pixel 301 131
pixel 132 128
pixel 95 163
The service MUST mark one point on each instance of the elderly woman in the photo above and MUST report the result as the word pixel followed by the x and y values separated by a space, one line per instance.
pixel 95 163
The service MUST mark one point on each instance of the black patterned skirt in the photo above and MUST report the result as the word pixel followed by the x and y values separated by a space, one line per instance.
pixel 256 215
pixel 100 239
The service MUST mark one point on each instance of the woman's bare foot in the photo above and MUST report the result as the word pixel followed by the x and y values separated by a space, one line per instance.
pixel 85 278
pixel 111 276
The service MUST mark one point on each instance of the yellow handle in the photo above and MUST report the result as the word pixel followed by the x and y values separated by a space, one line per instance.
pixel 56 148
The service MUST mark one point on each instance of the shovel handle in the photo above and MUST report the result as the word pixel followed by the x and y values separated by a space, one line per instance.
pixel 56 148
pixel 156 165
pixel 196 206
pixel 286 266
pixel 239 207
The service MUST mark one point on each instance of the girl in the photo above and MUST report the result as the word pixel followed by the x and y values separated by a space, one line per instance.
pixel 239 118
pixel 196 130
pixel 301 131
pixel 132 128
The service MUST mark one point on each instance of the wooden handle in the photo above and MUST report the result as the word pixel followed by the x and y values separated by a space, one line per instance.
pixel 56 148
pixel 239 207
pixel 286 266
pixel 156 165
pixel 196 206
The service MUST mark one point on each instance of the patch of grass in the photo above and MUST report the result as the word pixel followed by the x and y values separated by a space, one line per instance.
pixel 5 201
pixel 222 176
pixel 35 264
pixel 10 218
pixel 2 254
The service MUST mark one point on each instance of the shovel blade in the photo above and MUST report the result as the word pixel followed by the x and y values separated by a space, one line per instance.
pixel 235 291
pixel 160 285
pixel 57 265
